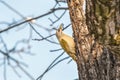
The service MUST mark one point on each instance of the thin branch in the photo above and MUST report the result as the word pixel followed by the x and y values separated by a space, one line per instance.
pixel 50 66
pixel 51 34
pixel 13 59
pixel 4 44
pixel 59 62
pixel 7 55
pixel 40 26
pixel 11 8
pixel 69 61
pixel 45 37
pixel 18 24
pixel 5 69
pixel 40 78
pixel 30 76
pixel 55 15
pixel 58 18
pixel 66 27
pixel 63 1
pixel 41 35
pixel 18 64
pixel 1 64
pixel 47 29
pixel 55 50
pixel 15 71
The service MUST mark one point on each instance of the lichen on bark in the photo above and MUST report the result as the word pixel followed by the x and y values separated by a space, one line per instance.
pixel 97 38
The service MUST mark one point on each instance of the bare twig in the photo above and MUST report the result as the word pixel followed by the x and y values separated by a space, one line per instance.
pixel 57 1
pixel 11 8
pixel 40 78
pixel 18 24
pixel 18 64
pixel 30 76
pixel 40 26
pixel 66 27
pixel 54 63
pixel 14 69
pixel 55 50
pixel 5 69
pixel 4 44
pixel 44 38
pixel 58 18
pixel 49 66
pixel 13 59
pixel 41 35
pixel 6 53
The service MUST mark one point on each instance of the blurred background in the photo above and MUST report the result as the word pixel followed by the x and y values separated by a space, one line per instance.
pixel 28 45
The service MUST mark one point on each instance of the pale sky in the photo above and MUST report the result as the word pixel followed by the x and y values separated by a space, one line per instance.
pixel 43 57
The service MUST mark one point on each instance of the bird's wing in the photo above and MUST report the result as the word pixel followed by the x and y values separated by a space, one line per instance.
pixel 64 45
pixel 71 51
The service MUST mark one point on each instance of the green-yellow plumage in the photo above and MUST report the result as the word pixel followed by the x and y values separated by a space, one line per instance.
pixel 66 42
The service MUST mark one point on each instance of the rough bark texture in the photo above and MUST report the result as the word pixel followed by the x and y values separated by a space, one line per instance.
pixel 97 38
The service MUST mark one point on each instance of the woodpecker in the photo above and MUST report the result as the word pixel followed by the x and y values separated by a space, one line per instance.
pixel 66 42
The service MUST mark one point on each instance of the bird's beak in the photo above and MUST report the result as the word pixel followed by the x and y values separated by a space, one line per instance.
pixel 61 26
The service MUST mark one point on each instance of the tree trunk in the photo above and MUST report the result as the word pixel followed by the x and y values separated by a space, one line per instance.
pixel 97 38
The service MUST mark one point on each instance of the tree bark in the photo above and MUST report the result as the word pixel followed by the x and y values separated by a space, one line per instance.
pixel 97 38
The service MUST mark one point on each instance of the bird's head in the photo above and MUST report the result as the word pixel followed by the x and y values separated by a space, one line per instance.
pixel 59 31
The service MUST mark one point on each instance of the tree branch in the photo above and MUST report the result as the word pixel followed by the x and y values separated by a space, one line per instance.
pixel 48 13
